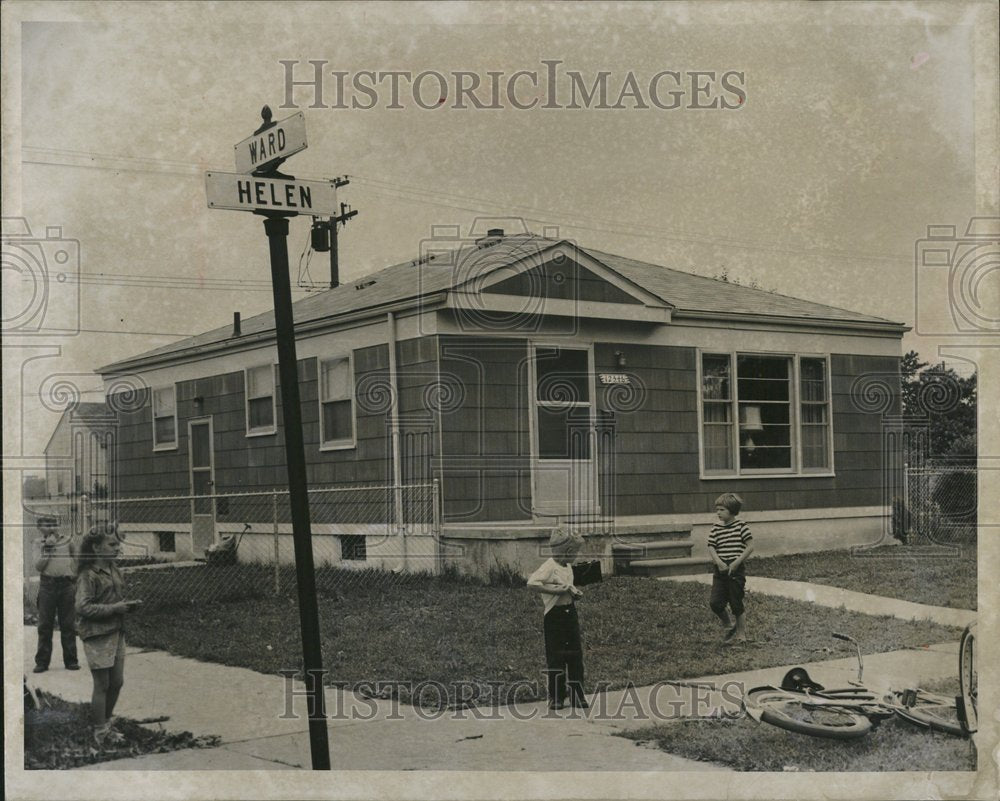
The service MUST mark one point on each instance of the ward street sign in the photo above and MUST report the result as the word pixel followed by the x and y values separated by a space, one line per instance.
pixel 229 190
pixel 281 140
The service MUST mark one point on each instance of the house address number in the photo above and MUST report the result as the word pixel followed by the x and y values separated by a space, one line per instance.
pixel 613 378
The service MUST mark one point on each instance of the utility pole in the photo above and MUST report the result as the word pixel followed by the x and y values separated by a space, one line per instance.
pixel 345 215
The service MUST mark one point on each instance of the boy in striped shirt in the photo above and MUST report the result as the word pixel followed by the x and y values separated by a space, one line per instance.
pixel 729 544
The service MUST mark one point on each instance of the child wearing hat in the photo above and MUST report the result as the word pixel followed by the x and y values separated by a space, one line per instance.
pixel 563 646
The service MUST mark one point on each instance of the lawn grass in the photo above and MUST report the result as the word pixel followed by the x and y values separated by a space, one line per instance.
pixel 744 744
pixel 420 628
pixel 58 736
pixel 894 571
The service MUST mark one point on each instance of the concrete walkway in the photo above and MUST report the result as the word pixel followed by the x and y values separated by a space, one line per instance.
pixel 854 601
pixel 247 710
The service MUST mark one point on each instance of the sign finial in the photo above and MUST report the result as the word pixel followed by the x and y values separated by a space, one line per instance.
pixel 266 114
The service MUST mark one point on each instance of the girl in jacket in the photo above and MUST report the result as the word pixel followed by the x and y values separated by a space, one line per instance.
pixel 101 608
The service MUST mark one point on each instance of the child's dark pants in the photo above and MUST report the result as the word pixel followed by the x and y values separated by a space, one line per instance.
pixel 56 596
pixel 728 591
pixel 564 654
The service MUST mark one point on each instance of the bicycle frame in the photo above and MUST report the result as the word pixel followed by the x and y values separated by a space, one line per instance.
pixel 849 706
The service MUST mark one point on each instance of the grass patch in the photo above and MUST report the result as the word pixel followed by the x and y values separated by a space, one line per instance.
pixel 383 627
pixel 893 571
pixel 744 744
pixel 58 736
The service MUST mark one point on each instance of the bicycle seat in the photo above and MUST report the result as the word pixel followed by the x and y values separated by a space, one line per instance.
pixel 798 679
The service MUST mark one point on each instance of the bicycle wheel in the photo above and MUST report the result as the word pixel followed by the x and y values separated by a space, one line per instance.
pixel 936 712
pixel 967 675
pixel 793 712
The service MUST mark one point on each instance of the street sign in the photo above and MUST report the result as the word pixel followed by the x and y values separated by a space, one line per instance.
pixel 230 190
pixel 280 141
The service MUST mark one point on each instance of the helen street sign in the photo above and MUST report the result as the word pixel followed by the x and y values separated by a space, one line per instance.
pixel 229 190
pixel 278 142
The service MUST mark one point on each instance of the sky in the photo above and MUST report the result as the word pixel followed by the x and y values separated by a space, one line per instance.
pixel 861 125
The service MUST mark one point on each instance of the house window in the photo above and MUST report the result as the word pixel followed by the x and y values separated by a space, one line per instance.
pixel 260 399
pixel 166 542
pixel 164 418
pixel 764 414
pixel 562 402
pixel 814 396
pixel 353 547
pixel 336 401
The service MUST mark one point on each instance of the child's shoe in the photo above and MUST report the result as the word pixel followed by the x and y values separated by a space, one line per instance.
pixel 729 635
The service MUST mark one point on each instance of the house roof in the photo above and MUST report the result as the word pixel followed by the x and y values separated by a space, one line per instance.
pixel 417 280
pixel 86 412
pixel 90 410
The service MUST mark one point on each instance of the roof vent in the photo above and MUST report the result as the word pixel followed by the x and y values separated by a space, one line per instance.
pixel 493 237
pixel 236 323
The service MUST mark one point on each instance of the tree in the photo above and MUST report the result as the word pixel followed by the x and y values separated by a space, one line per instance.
pixel 946 399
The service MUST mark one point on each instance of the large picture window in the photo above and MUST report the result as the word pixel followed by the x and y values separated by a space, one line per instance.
pixel 764 413
pixel 336 400
pixel 164 418
pixel 260 399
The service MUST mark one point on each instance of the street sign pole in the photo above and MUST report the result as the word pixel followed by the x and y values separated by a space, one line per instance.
pixel 276 228
pixel 260 188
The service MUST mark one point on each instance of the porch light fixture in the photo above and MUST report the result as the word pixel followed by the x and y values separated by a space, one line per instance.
pixel 620 358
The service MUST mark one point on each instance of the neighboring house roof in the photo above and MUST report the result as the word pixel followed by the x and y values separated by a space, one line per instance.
pixel 87 410
pixel 85 413
pixel 417 280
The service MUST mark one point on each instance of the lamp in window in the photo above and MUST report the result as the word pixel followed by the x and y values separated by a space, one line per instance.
pixel 750 422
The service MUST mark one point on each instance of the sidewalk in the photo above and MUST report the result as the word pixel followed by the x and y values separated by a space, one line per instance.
pixel 247 710
pixel 836 597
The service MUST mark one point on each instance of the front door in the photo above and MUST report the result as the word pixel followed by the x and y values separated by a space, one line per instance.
pixel 202 484
pixel 563 467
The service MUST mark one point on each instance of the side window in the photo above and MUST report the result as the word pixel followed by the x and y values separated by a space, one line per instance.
pixel 260 399
pixel 164 418
pixel 336 398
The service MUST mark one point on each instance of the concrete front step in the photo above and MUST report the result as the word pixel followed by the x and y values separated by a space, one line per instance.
pixel 684 566
pixel 660 549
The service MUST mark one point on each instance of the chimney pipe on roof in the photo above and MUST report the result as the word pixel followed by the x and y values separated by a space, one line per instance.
pixel 236 324
pixel 493 236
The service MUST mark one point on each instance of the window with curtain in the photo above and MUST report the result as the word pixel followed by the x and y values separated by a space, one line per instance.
pixel 336 402
pixel 260 399
pixel 164 418
pixel 764 413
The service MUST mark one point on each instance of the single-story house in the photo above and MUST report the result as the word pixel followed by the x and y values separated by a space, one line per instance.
pixel 77 454
pixel 531 382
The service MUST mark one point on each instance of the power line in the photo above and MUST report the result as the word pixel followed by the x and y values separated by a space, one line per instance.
pixel 444 199
pixel 619 227
pixel 64 331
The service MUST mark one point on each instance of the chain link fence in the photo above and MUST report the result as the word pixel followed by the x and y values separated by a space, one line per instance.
pixel 190 549
pixel 940 504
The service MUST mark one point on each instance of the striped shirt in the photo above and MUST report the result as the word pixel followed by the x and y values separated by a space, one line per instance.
pixel 729 539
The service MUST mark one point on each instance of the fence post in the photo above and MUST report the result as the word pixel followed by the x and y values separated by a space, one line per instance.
pixel 277 550
pixel 436 526
pixel 85 514
pixel 907 514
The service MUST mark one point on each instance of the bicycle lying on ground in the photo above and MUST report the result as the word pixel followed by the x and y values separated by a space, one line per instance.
pixel 804 706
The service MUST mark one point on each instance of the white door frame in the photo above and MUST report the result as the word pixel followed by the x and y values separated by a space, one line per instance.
pixel 591 505
pixel 198 518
